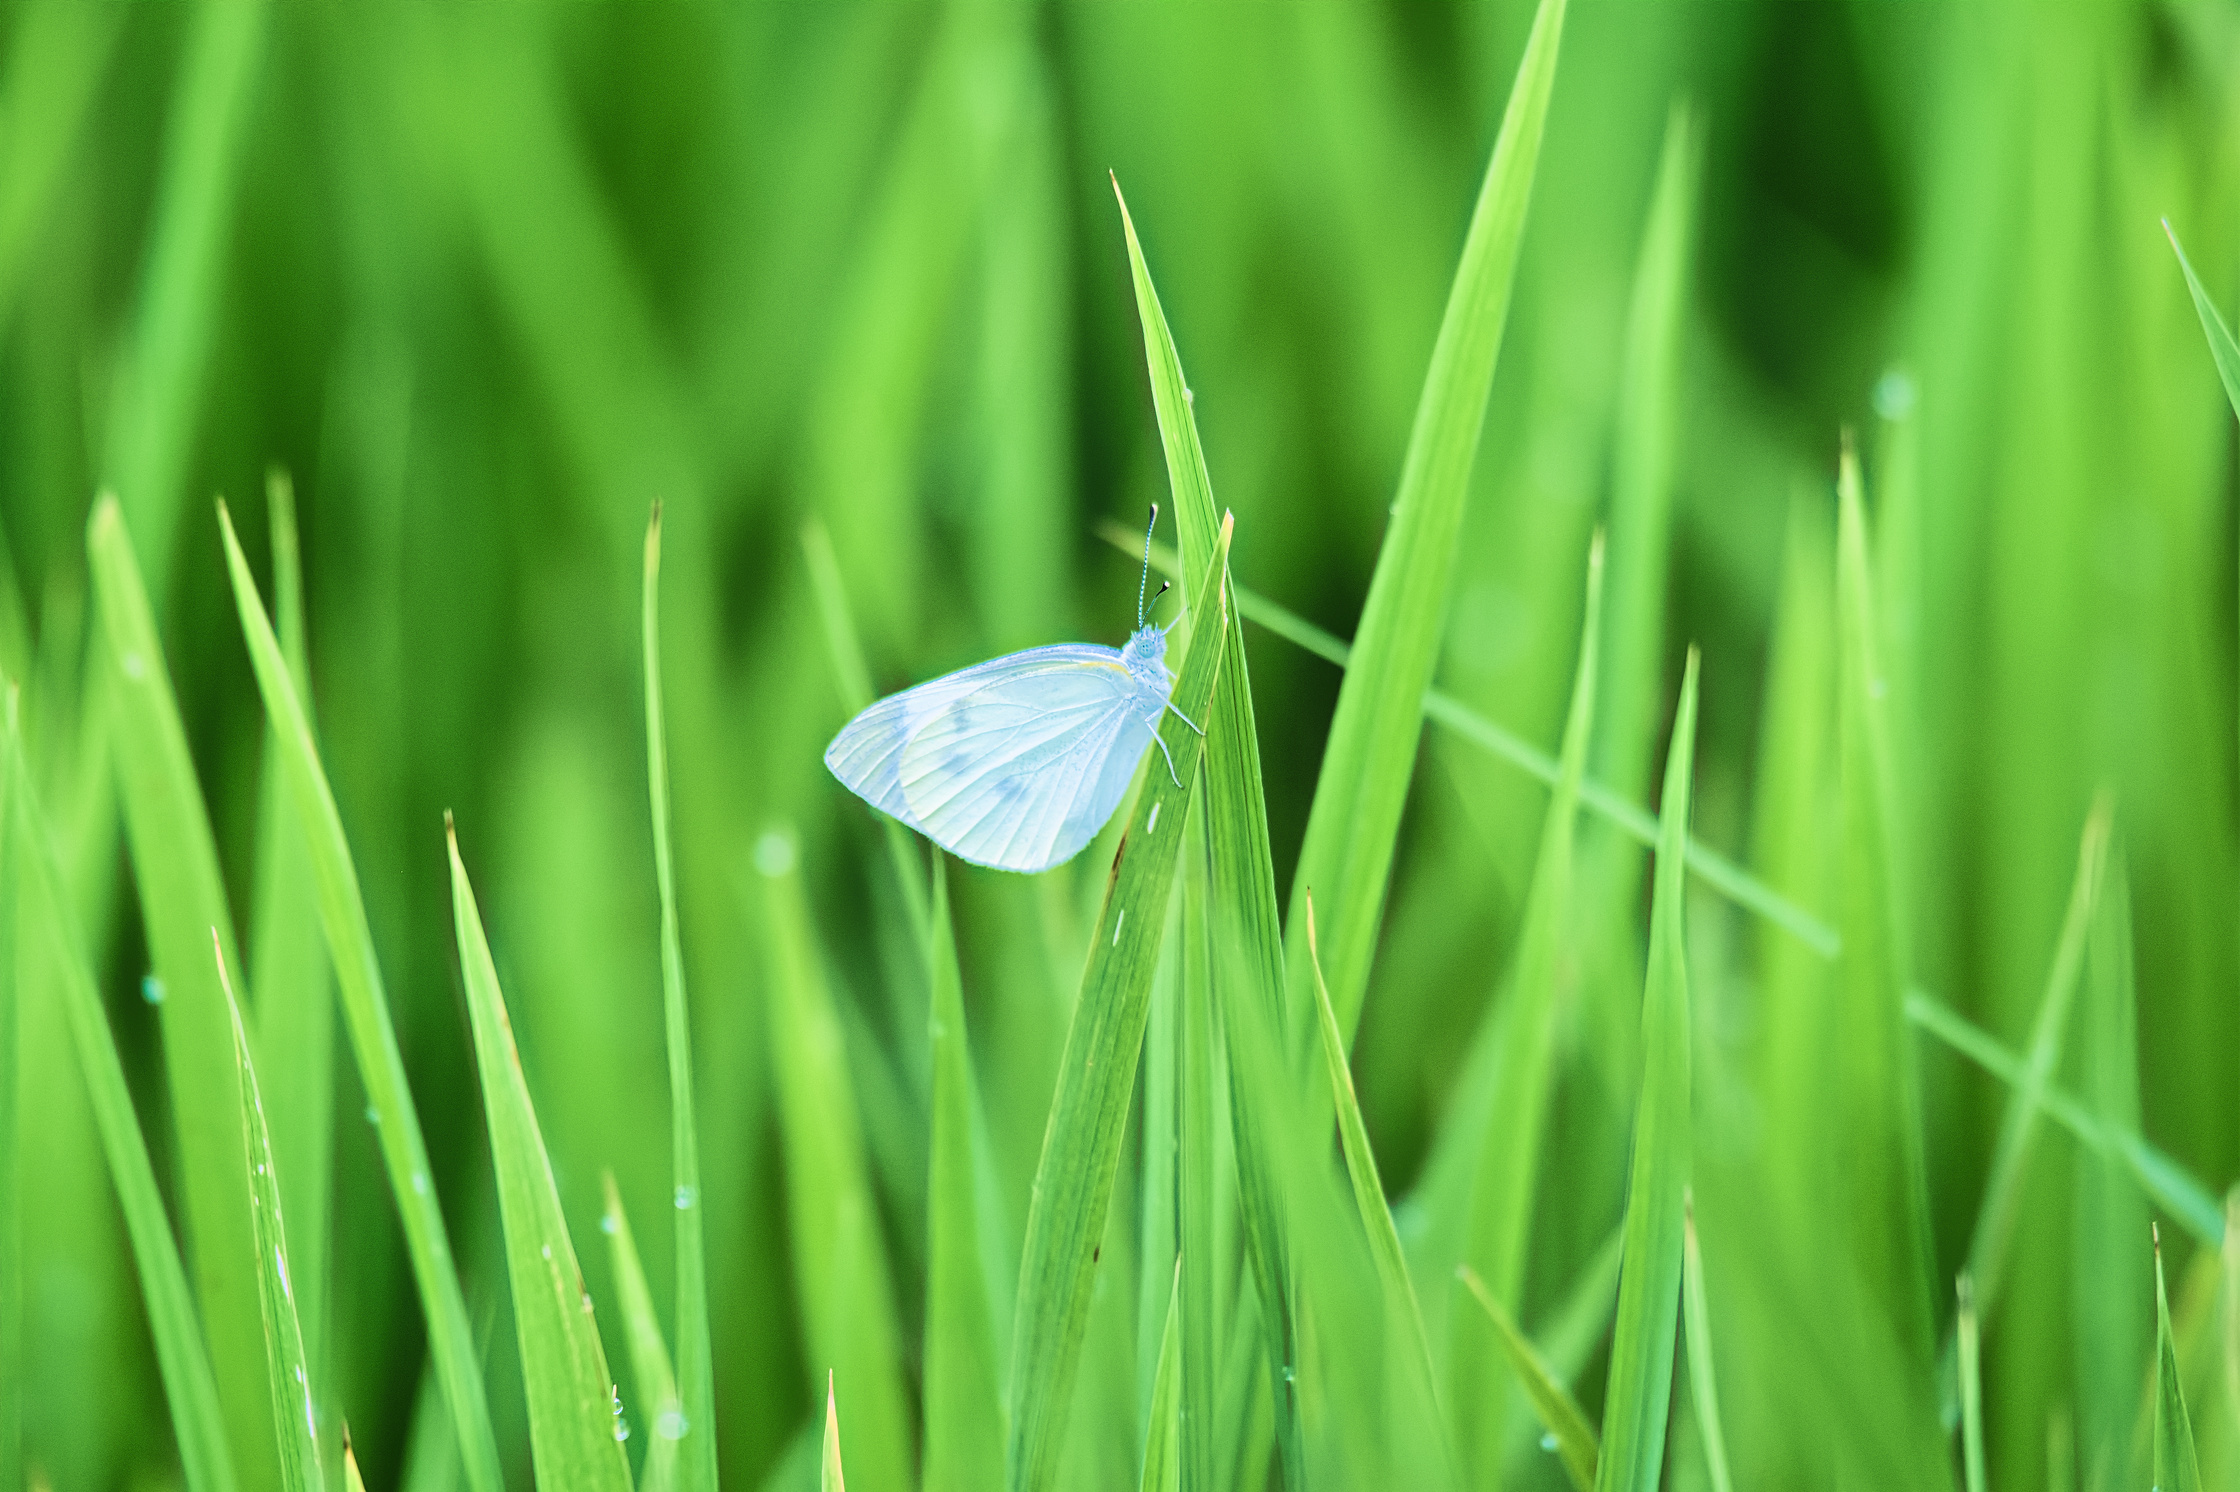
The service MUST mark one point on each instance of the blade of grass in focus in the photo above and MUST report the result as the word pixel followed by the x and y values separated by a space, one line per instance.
pixel 2223 350
pixel 833 1481
pixel 1551 1401
pixel 658 1403
pixel 1162 1446
pixel 288 1373
pixel 2231 1262
pixel 181 1357
pixel 365 1009
pixel 182 899
pixel 1703 1380
pixel 841 1280
pixel 1971 1389
pixel 575 1428
pixel 964 1435
pixel 696 1451
pixel 1370 756
pixel 1640 1392
pixel 1088 1115
pixel 289 982
pixel 2175 1468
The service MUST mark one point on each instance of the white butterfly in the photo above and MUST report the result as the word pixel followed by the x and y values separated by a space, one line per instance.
pixel 1016 763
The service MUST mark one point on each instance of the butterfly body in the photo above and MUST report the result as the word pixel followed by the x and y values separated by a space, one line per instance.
pixel 1015 763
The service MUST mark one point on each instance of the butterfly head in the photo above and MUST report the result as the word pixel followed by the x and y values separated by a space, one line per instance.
pixel 1145 656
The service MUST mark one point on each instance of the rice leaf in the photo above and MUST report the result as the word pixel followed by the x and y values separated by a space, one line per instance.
pixel 287 1368
pixel 1703 1383
pixel 205 1458
pixel 1089 1113
pixel 1370 756
pixel 1162 1446
pixel 657 1395
pixel 964 1438
pixel 365 1010
pixel 289 982
pixel 2223 350
pixel 576 1428
pixel 1640 1393
pixel 1551 1401
pixel 1971 1389
pixel 840 1272
pixel 2175 1468
pixel 696 1449
pixel 183 897
pixel 833 1481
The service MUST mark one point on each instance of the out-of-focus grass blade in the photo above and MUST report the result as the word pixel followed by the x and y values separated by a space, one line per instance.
pixel 2175 1468
pixel 840 1273
pixel 963 1374
pixel 1640 1392
pixel 1361 1170
pixel 833 1481
pixel 181 1358
pixel 696 1451
pixel 1089 1114
pixel 289 984
pixel 11 1169
pixel 1370 756
pixel 2223 350
pixel 288 1373
pixel 2232 1300
pixel 1971 1389
pixel 365 1009
pixel 575 1428
pixel 649 1355
pixel 1716 870
pixel 1551 1401
pixel 1162 1446
pixel 1703 1381
pixel 182 897
pixel 1882 1147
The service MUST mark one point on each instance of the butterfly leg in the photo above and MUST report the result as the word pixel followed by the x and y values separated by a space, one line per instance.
pixel 1185 719
pixel 1169 756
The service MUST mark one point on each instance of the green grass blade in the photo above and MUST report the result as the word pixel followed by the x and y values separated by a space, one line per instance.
pixel 1551 1401
pixel 2223 350
pixel 963 1375
pixel 575 1425
pixel 1162 1446
pixel 840 1275
pixel 1971 1388
pixel 1703 1380
pixel 658 1404
pixel 1205 1194
pixel 1370 755
pixel 183 897
pixel 833 1481
pixel 183 1361
pixel 2232 1301
pixel 2175 1467
pixel 1640 1392
pixel 1089 1114
pixel 288 1372
pixel 293 992
pixel 11 1166
pixel 696 1452
pixel 365 1010
pixel 1712 868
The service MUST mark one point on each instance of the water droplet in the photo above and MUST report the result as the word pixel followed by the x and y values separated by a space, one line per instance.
pixel 1118 923
pixel 135 666
pixel 1151 825
pixel 151 989
pixel 420 1183
pixel 280 1263
pixel 686 1196
pixel 621 1425
pixel 1894 393
pixel 587 1302
pixel 1547 1442
pixel 609 1225
pixel 671 1425
pixel 773 853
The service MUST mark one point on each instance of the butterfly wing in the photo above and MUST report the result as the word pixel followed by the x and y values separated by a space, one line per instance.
pixel 1016 763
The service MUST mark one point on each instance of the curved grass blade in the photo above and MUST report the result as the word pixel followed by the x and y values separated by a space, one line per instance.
pixel 1640 1392
pixel 1089 1114
pixel 575 1425
pixel 1162 1447
pixel 1971 1388
pixel 288 1373
pixel 649 1355
pixel 365 1010
pixel 289 981
pixel 183 897
pixel 696 1451
pixel 2223 350
pixel 1551 1401
pixel 833 1481
pixel 1370 757
pixel 1703 1382
pixel 181 1358
pixel 963 1375
pixel 2175 1467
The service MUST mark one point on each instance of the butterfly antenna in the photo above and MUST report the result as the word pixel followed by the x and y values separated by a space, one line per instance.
pixel 1144 583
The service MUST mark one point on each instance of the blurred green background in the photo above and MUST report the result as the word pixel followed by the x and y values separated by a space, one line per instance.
pixel 488 282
